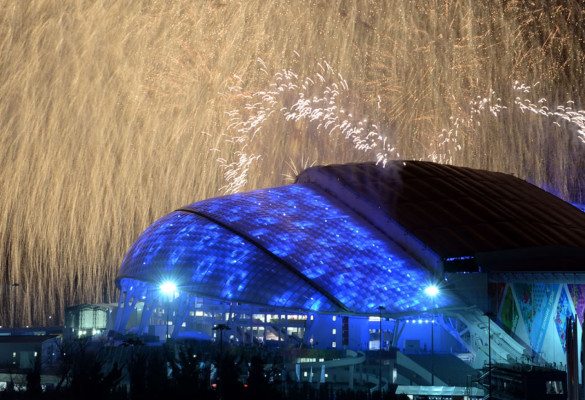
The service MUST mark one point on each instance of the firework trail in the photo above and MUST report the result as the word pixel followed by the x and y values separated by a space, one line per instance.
pixel 573 119
pixel 109 110
pixel 317 99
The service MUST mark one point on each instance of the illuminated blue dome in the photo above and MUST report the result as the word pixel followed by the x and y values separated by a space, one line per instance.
pixel 350 238
pixel 293 247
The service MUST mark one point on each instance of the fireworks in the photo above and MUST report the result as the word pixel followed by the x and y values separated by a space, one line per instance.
pixel 317 99
pixel 114 114
pixel 572 119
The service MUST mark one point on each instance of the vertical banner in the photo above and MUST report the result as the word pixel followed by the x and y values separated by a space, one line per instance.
pixel 508 312
pixel 575 350
pixel 524 295
pixel 545 296
pixel 562 313
pixel 536 303
pixel 583 353
pixel 578 296
pixel 496 292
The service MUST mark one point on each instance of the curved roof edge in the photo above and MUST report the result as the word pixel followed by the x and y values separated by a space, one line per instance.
pixel 327 179
pixel 281 261
pixel 446 215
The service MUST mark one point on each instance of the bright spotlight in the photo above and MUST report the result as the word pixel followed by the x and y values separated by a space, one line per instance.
pixel 168 287
pixel 432 290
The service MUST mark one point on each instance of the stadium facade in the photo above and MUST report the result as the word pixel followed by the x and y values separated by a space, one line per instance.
pixel 414 256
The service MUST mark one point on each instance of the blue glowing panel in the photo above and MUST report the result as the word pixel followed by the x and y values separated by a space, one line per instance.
pixel 209 260
pixel 320 239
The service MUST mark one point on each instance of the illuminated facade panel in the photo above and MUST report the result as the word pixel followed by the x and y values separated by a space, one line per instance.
pixel 209 260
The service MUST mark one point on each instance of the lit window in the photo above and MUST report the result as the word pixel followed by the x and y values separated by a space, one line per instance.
pixel 334 331
pixel 258 318
pixel 297 317
pixel 272 318
pixel 334 318
pixel 334 344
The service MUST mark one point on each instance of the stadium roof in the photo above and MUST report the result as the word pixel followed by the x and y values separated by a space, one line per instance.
pixel 349 238
pixel 460 213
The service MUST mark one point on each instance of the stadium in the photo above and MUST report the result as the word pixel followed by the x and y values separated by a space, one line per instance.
pixel 429 263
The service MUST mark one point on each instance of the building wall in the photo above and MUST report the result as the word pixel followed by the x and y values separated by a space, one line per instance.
pixel 471 287
pixel 21 355
pixel 420 330
pixel 533 313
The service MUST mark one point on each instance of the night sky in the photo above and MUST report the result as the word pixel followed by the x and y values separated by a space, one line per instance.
pixel 115 114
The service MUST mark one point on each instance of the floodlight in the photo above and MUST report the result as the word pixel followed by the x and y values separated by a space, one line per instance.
pixel 432 290
pixel 168 287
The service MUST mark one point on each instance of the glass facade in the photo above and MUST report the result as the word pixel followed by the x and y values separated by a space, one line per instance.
pixel 293 247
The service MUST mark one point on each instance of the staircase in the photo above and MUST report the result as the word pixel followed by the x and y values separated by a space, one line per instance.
pixel 472 329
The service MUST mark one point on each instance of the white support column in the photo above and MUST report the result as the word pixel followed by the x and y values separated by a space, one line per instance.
pixel 265 325
pixel 149 306
pixel 124 312
pixel 185 304
pixel 286 330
